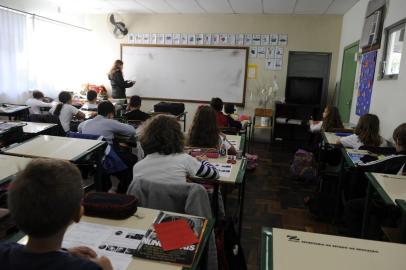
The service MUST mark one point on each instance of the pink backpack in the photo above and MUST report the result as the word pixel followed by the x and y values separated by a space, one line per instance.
pixel 303 165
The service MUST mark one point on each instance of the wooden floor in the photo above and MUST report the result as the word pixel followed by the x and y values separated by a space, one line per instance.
pixel 273 199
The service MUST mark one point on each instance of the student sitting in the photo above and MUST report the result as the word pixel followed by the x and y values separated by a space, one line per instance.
pixel 394 164
pixel 134 112
pixel 366 134
pixel 204 132
pixel 65 111
pixel 217 105
pixel 232 119
pixel 104 125
pixel 91 104
pixel 36 102
pixel 44 200
pixel 163 144
pixel 331 120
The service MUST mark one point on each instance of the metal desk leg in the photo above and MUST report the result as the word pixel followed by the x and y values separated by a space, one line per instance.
pixel 367 210
pixel 403 228
pixel 241 199
pixel 338 191
pixel 225 195
pixel 99 185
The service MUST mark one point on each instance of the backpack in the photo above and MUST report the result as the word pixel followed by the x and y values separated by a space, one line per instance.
pixel 303 165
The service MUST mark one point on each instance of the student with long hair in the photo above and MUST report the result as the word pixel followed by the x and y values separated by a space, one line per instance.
pixel 331 120
pixel 163 143
pixel 65 111
pixel 118 84
pixel 366 134
pixel 204 131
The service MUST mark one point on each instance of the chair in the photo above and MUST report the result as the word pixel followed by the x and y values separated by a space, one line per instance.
pixel 262 113
pixel 182 197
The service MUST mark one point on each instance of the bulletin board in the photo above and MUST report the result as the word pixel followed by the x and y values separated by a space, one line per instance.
pixel 366 82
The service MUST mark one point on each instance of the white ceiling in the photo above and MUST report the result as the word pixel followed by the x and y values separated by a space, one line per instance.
pixel 208 6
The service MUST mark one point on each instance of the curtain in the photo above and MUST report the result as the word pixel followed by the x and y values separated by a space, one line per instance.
pixel 58 57
pixel 13 56
pixel 40 54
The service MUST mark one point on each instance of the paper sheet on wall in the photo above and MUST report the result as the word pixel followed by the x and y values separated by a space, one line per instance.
pixel 224 169
pixel 116 243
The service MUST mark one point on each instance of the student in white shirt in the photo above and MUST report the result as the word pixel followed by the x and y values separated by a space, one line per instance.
pixel 366 134
pixel 65 111
pixel 205 133
pixel 36 102
pixel 163 144
pixel 91 104
pixel 331 120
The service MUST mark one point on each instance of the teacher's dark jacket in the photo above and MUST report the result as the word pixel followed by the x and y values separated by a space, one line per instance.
pixel 118 84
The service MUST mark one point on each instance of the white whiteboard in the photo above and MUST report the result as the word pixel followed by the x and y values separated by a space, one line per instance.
pixel 194 74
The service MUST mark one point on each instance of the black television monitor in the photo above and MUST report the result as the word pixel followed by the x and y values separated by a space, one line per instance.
pixel 303 90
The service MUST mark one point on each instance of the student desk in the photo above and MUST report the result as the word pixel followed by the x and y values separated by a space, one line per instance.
pixel 70 149
pixel 181 117
pixel 287 249
pixel 236 178
pixel 143 221
pixel 389 187
pixel 34 128
pixel 10 166
pixel 237 141
pixel 330 137
pixel 14 110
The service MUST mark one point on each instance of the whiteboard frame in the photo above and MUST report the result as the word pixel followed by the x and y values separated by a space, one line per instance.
pixel 122 45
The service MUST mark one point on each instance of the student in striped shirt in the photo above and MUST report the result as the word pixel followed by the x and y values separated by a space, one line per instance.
pixel 163 143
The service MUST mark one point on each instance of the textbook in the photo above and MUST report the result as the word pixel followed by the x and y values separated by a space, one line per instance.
pixel 150 246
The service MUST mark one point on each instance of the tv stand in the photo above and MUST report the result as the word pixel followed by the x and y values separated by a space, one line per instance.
pixel 291 121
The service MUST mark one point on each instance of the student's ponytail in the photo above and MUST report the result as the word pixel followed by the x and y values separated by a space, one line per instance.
pixel 63 97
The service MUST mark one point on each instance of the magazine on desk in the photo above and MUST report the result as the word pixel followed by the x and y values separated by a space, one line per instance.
pixel 150 247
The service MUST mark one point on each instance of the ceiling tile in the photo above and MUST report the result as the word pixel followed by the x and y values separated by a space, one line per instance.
pixel 247 6
pixel 215 6
pixel 158 6
pixel 279 6
pixel 186 6
pixel 341 6
pixel 128 6
pixel 312 6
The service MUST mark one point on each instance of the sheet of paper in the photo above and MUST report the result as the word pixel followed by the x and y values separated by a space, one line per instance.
pixel 224 169
pixel 116 243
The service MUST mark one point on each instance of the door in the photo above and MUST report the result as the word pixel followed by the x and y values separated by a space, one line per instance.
pixel 347 80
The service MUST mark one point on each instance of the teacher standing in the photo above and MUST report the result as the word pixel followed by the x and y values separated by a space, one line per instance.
pixel 118 84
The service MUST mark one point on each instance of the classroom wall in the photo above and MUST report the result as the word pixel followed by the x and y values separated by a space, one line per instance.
pixel 388 96
pixel 305 33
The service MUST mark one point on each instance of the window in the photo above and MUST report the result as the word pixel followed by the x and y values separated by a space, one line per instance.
pixel 395 36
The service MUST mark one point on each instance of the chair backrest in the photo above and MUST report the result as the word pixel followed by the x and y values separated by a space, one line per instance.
pixel 78 135
pixel 180 197
pixel 263 112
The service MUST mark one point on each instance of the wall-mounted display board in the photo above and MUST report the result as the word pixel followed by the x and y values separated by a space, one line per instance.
pixel 186 73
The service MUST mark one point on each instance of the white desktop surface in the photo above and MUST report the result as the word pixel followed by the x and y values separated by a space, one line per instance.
pixel 393 185
pixel 53 147
pixel 10 165
pixel 319 252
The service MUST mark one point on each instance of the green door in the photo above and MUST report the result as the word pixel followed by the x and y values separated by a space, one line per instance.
pixel 347 81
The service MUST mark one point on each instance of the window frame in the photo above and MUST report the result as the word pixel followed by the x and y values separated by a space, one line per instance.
pixel 388 30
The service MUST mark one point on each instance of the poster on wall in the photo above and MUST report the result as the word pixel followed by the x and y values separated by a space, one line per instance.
pixel 366 82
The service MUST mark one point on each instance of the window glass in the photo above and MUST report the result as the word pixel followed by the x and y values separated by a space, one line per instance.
pixel 395 42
